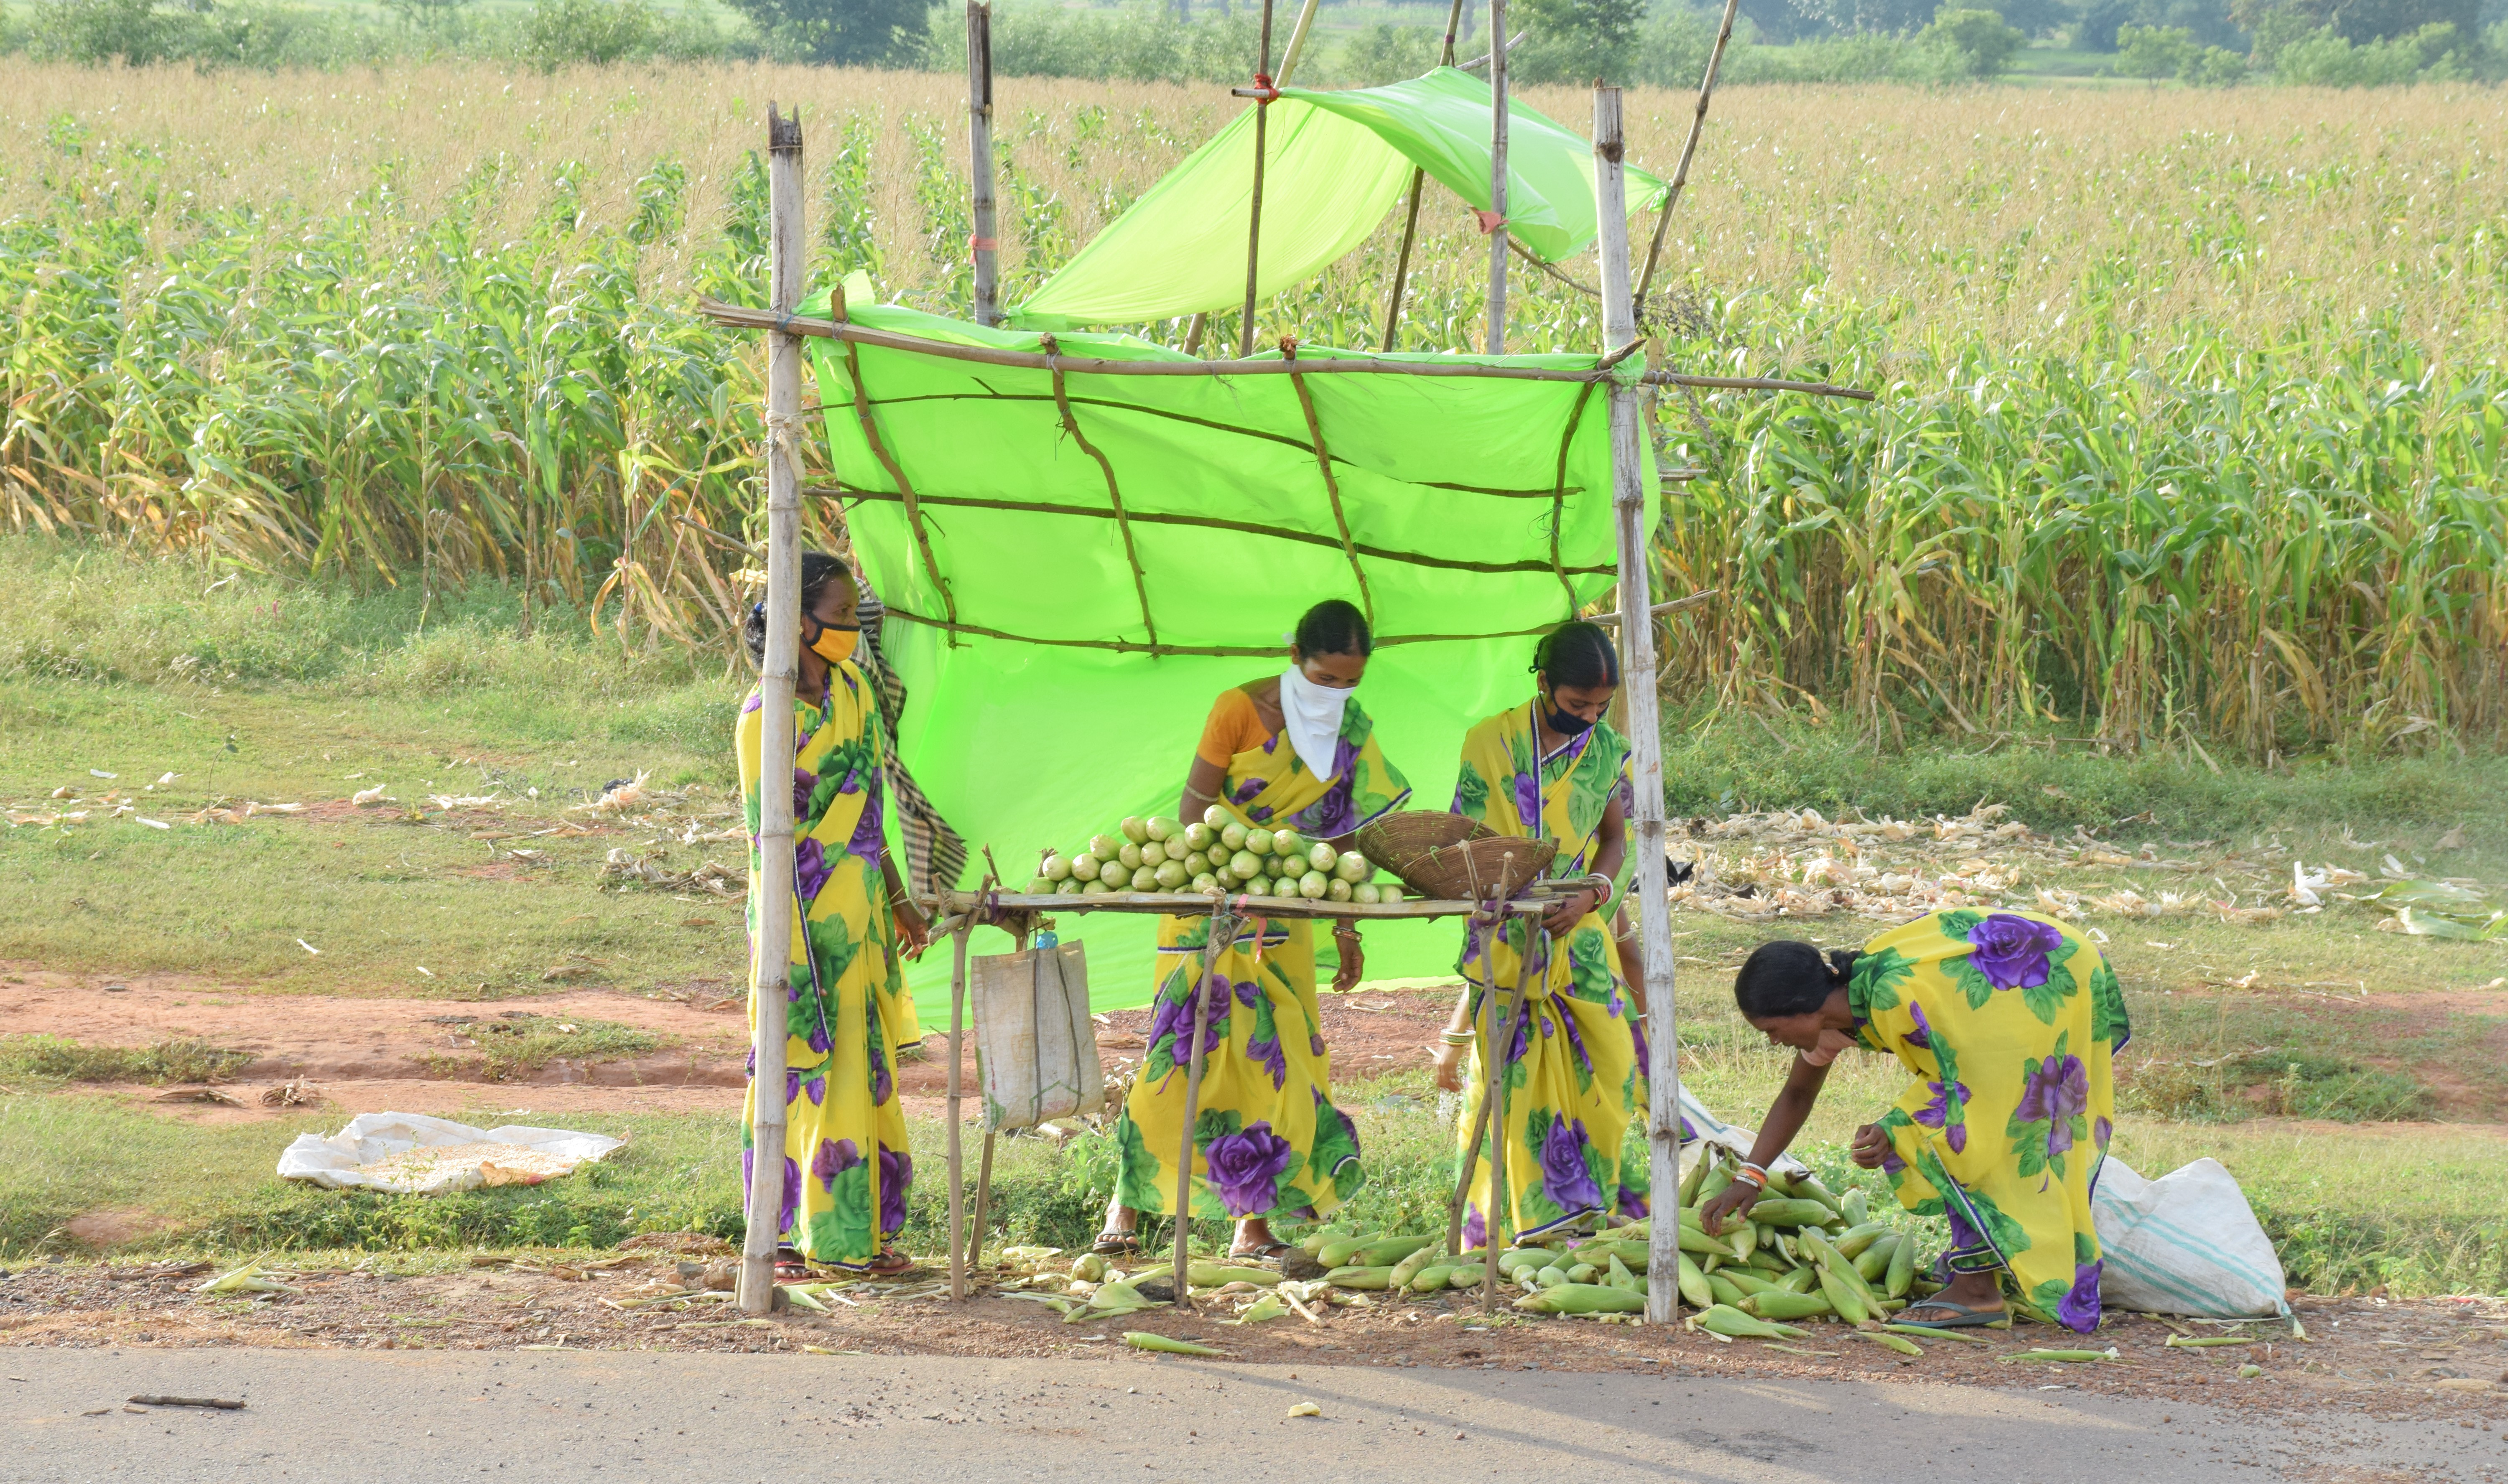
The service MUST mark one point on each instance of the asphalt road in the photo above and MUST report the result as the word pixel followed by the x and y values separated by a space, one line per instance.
pixel 423 1417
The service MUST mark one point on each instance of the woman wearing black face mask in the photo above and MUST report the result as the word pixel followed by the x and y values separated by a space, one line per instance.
pixel 1551 770
pixel 845 1158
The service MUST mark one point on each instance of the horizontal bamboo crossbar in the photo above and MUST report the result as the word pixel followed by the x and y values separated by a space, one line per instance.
pixel 955 904
pixel 1216 523
pixel 1669 605
pixel 1310 364
pixel 1218 651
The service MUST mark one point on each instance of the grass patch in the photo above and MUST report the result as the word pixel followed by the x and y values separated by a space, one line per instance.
pixel 62 1059
pixel 2413 1215
pixel 519 1041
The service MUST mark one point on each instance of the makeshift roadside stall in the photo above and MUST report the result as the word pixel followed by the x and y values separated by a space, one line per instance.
pixel 1080 538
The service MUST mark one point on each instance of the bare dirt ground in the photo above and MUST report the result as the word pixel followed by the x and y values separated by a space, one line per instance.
pixel 404 1055
pixel 2426 1360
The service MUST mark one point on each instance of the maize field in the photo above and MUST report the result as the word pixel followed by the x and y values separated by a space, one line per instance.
pixel 2193 428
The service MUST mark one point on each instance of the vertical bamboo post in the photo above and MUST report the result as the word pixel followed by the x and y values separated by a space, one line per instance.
pixel 1223 931
pixel 1645 719
pixel 1297 46
pixel 1419 184
pixel 1688 150
pixel 980 158
pixel 1498 178
pixel 957 1128
pixel 1254 213
pixel 776 903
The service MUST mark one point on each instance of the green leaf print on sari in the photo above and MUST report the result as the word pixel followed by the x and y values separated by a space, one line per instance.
pixel 1536 1208
pixel 2010 1237
pixel 1471 793
pixel 2047 1000
pixel 2108 1020
pixel 1874 986
pixel 846 1226
pixel 1589 970
pixel 2052 1114
pixel 834 944
pixel 1334 1152
pixel 1143 1177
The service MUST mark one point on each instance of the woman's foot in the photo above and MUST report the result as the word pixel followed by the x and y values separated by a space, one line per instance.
pixel 888 1263
pixel 1970 1299
pixel 1121 1234
pixel 1254 1240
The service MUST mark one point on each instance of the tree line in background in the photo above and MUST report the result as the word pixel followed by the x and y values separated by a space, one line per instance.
pixel 2211 43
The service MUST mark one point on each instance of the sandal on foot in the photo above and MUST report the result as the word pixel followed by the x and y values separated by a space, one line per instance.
pixel 1961 1316
pixel 888 1263
pixel 1114 1244
pixel 1269 1251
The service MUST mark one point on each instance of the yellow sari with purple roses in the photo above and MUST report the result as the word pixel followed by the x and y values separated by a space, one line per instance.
pixel 1577 1070
pixel 2010 1022
pixel 846 1165
pixel 1268 1141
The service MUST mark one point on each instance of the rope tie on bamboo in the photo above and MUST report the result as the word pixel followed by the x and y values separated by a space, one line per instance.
pixel 1113 490
pixel 1332 485
pixel 984 244
pixel 1490 221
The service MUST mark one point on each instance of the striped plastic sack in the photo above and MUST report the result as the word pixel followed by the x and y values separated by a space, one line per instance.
pixel 2185 1243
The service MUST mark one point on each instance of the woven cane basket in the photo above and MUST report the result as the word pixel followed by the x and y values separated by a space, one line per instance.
pixel 1449 858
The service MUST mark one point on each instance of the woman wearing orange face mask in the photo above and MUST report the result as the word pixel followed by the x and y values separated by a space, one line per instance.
pixel 846 1166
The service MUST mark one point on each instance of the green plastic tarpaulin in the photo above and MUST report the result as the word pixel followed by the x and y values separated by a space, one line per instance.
pixel 1334 165
pixel 1479 509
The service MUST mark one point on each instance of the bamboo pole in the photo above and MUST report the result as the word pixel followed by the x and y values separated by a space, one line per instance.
pixel 1688 150
pixel 1646 720
pixel 957 1126
pixel 1254 212
pixel 1498 1224
pixel 983 1199
pixel 1498 178
pixel 1419 184
pixel 979 157
pixel 1309 363
pixel 779 673
pixel 1223 931
pixel 1480 1120
pixel 1297 46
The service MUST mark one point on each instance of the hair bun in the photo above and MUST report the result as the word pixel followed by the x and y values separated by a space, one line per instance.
pixel 1842 964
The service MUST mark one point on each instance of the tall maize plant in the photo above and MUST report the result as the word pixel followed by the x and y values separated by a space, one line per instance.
pixel 2191 429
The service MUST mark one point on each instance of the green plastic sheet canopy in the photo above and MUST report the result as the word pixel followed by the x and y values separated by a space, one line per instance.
pixel 1030 729
pixel 1335 163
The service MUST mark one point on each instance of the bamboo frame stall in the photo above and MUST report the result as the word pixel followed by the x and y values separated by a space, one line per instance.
pixel 965 911
pixel 1623 387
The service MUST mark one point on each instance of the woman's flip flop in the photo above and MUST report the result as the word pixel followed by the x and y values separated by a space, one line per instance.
pixel 1961 1316
pixel 1114 1243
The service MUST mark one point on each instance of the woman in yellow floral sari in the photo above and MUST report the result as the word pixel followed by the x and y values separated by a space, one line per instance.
pixel 1291 751
pixel 2009 1023
pixel 846 1165
pixel 1576 1069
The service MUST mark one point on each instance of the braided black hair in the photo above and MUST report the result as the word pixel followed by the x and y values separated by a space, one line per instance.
pixel 1334 627
pixel 818 569
pixel 1577 655
pixel 1788 978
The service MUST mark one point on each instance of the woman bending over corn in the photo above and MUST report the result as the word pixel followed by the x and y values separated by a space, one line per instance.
pixel 1288 751
pixel 1576 1069
pixel 2008 1022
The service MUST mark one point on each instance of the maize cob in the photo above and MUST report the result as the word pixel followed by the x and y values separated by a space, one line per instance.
pixel 1842 1297
pixel 1721 1288
pixel 1733 1323
pixel 1746 1280
pixel 1339 1251
pixel 1582 1298
pixel 1367 1278
pixel 1787 1306
pixel 1140 1340
pixel 1312 1242
pixel 1213 1274
pixel 1411 1265
pixel 1855 1240
pixel 1619 1277
pixel 1695 1286
pixel 1902 1268
pixel 1890 1341
pixel 1872 1264
pixel 1468 1276
pixel 1855 1207
pixel 1387 1251
pixel 1427 1279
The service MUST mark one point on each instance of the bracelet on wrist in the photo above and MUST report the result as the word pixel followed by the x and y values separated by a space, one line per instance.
pixel 1751 1175
pixel 1456 1037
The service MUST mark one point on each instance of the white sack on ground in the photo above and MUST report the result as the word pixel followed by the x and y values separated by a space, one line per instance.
pixel 2185 1243
pixel 413 1154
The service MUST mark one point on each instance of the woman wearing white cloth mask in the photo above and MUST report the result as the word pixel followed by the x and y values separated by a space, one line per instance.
pixel 1291 751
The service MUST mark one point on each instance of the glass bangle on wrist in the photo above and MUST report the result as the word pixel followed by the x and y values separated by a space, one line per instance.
pixel 1456 1037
